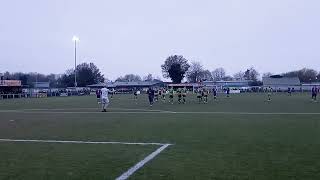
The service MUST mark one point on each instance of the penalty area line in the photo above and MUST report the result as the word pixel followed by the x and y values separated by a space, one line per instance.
pixel 124 175
pixel 140 164
pixel 79 142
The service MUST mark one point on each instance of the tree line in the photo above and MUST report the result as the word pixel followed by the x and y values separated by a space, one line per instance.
pixel 87 73
pixel 175 67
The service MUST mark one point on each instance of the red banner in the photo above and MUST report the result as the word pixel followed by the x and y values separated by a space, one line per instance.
pixel 10 83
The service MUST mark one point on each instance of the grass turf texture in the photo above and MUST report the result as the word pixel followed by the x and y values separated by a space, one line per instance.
pixel 207 146
pixel 67 161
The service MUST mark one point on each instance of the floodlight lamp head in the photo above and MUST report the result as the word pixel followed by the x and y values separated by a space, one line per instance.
pixel 75 39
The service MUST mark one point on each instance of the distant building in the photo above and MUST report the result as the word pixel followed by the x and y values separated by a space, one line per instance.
pixel 10 86
pixel 281 83
pixel 228 84
pixel 41 85
pixel 182 85
pixel 129 86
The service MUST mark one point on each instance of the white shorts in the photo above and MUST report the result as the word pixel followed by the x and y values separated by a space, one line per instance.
pixel 104 100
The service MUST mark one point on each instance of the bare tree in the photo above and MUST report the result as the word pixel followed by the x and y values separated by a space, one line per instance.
pixel 251 74
pixel 207 75
pixel 149 77
pixel 218 74
pixel 239 76
pixel 227 78
pixel 305 74
pixel 129 78
pixel 195 73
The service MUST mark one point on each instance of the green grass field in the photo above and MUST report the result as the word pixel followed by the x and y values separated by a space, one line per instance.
pixel 242 137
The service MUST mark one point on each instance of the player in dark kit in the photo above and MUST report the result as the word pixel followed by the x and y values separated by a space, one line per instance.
pixel 228 92
pixel 150 93
pixel 214 91
pixel 171 92
pixel 135 95
pixel 98 93
pixel 314 92
pixel 289 91
pixel 112 93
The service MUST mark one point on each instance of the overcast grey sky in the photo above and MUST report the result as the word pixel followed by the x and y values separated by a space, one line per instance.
pixel 135 36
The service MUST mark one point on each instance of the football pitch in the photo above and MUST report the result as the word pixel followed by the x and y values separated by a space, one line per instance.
pixel 241 137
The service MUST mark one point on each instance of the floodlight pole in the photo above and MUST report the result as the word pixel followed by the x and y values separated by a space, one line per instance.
pixel 75 63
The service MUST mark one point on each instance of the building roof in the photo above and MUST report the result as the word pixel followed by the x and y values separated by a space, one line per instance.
pixel 126 84
pixel 184 85
pixel 138 83
pixel 99 85
pixel 232 81
pixel 281 81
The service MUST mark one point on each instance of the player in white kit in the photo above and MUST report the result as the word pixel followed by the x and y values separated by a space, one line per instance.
pixel 104 98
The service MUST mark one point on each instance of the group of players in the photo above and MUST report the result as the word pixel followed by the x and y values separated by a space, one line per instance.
pixel 314 92
pixel 154 95
pixel 202 95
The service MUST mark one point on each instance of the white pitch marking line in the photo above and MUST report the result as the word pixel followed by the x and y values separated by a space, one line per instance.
pixel 147 110
pixel 78 142
pixel 140 164
pixel 126 174
pixel 85 112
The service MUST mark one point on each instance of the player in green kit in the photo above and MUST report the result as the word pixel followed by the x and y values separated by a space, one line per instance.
pixel 171 92
pixel 135 95
pixel 164 92
pixel 160 93
pixel 205 96
pixel 269 91
pixel 179 92
pixel 184 94
pixel 199 95
pixel 156 95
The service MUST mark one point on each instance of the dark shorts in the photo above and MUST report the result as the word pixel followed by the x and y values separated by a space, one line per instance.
pixel 179 96
pixel 98 96
pixel 151 98
pixel 184 95
pixel 171 96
